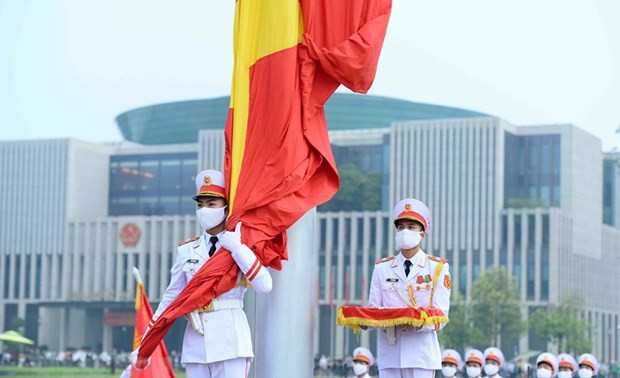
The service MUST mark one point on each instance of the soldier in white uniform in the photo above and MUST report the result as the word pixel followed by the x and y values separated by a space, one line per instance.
pixel 588 366
pixel 217 340
pixel 567 366
pixel 473 363
pixel 410 279
pixel 362 361
pixel 450 363
pixel 493 361
pixel 546 365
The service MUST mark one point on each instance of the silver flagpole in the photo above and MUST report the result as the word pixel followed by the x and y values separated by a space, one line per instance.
pixel 284 320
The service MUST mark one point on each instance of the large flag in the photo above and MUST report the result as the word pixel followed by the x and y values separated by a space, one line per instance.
pixel 160 366
pixel 290 56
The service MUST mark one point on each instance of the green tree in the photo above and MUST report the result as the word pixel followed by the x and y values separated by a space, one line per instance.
pixel 358 191
pixel 562 326
pixel 496 312
pixel 458 333
pixel 17 324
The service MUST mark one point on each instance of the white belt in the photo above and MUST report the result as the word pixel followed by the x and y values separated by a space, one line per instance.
pixel 221 304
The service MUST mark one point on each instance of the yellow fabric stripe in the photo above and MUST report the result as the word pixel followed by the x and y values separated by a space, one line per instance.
pixel 412 295
pixel 137 338
pixel 438 269
pixel 356 322
pixel 139 289
pixel 262 27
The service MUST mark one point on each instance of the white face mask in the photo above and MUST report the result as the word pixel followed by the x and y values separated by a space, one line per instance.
pixel 407 239
pixel 565 374
pixel 491 369
pixel 585 373
pixel 359 369
pixel 473 372
pixel 210 217
pixel 448 371
pixel 543 373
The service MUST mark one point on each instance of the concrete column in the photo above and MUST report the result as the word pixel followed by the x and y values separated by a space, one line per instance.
pixel 284 320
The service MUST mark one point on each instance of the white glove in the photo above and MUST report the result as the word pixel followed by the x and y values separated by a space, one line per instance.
pixel 139 365
pixel 243 256
pixel 231 240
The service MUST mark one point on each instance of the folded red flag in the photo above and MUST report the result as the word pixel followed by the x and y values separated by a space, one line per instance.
pixel 354 317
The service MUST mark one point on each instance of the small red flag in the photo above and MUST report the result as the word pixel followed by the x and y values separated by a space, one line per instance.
pixel 160 366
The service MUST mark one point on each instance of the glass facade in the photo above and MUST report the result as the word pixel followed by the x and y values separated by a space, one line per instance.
pixel 152 184
pixel 179 122
pixel 544 259
pixel 524 260
pixel 532 171
pixel 610 171
pixel 369 159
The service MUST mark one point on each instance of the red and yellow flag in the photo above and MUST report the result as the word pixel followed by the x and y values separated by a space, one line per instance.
pixel 290 56
pixel 160 366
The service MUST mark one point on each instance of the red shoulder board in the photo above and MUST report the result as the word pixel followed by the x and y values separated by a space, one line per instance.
pixel 188 240
pixel 384 259
pixel 438 259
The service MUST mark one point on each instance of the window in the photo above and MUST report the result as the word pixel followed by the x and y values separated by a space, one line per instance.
pixel 152 184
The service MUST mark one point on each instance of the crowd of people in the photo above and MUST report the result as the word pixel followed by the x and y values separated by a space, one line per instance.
pixel 81 358
pixel 35 357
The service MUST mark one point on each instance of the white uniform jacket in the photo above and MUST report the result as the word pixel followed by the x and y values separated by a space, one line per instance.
pixel 414 347
pixel 226 331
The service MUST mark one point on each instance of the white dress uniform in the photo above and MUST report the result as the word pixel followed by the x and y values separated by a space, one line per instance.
pixel 566 361
pixel 550 360
pixel 365 355
pixel 226 330
pixel 493 353
pixel 588 360
pixel 414 347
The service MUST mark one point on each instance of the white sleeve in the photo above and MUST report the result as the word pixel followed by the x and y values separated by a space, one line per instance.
pixel 255 272
pixel 178 281
pixel 374 297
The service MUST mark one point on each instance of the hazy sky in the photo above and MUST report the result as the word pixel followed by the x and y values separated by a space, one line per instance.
pixel 68 67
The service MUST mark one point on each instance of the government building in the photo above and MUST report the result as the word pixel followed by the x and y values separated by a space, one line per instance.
pixel 542 201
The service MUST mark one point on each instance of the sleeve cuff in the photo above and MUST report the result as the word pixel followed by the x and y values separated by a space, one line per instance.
pixel 254 269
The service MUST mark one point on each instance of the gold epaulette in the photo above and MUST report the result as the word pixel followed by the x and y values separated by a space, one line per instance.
pixel 438 259
pixel 389 258
pixel 188 240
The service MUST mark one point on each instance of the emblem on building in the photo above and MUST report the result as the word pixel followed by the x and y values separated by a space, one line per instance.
pixel 130 234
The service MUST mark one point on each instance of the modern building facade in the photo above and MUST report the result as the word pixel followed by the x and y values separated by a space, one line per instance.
pixel 541 201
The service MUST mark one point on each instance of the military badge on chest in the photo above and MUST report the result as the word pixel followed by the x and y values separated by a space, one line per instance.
pixel 423 282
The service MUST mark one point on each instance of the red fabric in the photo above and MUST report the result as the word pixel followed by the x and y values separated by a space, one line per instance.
pixel 215 277
pixel 288 167
pixel 160 366
pixel 388 313
pixel 211 189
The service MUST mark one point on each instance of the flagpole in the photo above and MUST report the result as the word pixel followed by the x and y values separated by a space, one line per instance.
pixel 285 318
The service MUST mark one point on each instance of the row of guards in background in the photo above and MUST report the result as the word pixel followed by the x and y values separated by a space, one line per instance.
pixel 492 360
